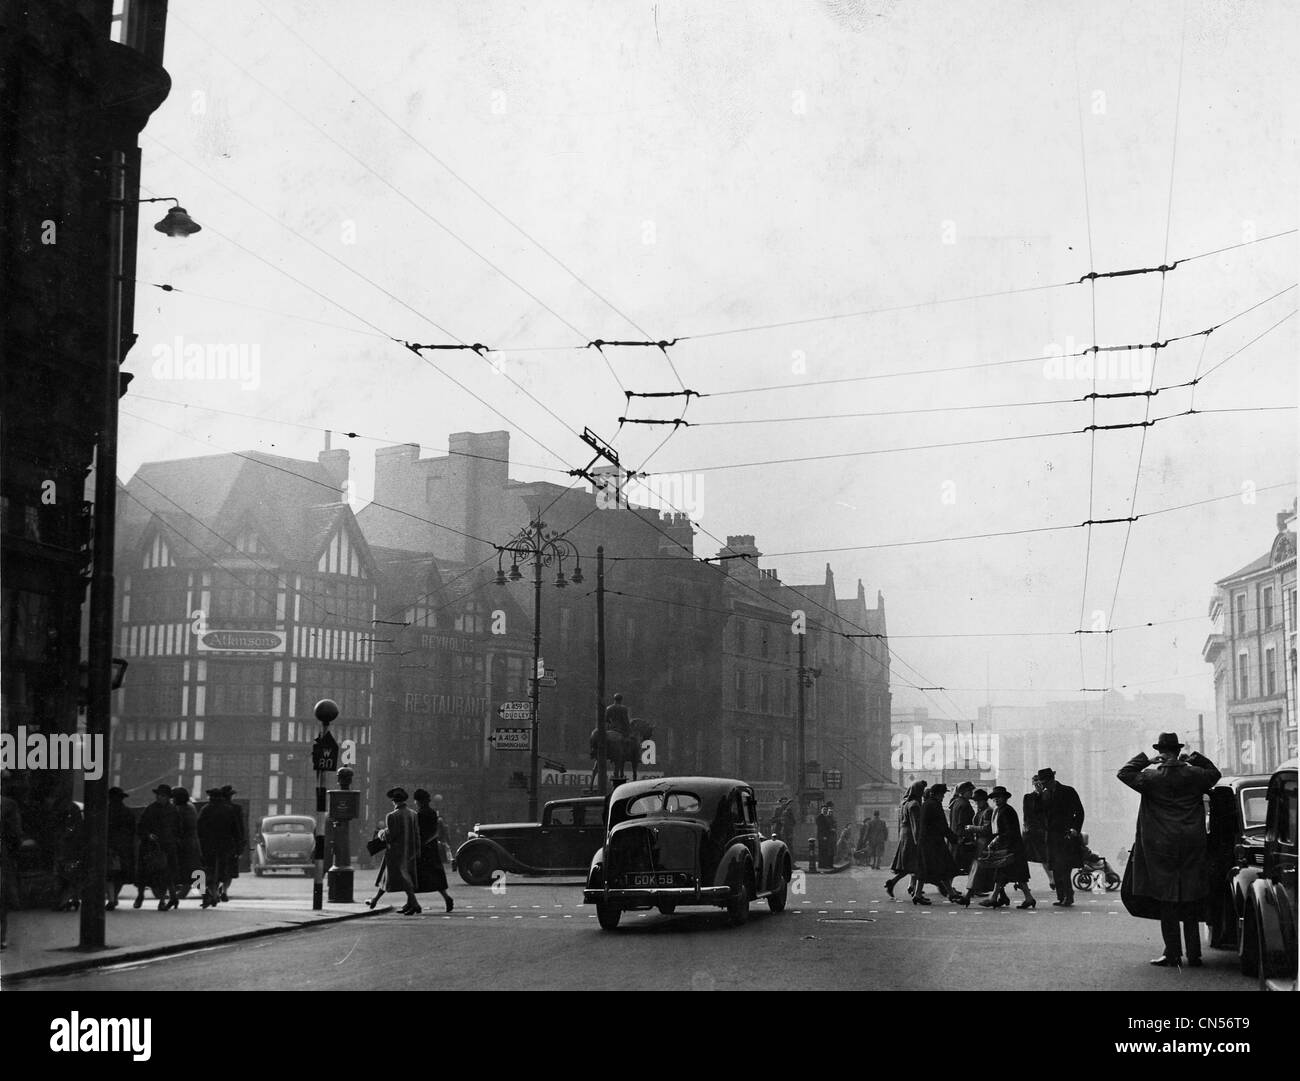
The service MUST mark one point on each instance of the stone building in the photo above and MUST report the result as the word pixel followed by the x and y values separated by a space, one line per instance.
pixel 1252 648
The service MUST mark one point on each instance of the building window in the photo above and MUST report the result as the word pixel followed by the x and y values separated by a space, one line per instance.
pixel 470 620
pixel 328 600
pixel 785 695
pixel 762 640
pixel 239 689
pixel 1243 675
pixel 154 691
pixel 248 595
pixel 740 689
pixel 349 687
pixel 1270 671
pixel 740 636
pixel 1266 607
pixel 764 704
pixel 1239 606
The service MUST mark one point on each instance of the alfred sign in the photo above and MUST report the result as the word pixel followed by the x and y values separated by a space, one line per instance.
pixel 241 642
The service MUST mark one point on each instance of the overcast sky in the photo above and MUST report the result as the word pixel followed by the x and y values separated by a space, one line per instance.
pixel 708 168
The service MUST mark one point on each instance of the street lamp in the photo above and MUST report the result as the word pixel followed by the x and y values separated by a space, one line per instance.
pixel 102 671
pixel 544 549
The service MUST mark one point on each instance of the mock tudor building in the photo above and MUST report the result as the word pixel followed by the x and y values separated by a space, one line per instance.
pixel 1253 650
pixel 246 594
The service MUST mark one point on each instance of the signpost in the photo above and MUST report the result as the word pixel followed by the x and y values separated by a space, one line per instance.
pixel 515 711
pixel 324 756
pixel 512 739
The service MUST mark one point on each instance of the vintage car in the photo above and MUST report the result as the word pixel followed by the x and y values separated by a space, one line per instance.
pixel 679 841
pixel 285 843
pixel 1236 810
pixel 1268 924
pixel 562 844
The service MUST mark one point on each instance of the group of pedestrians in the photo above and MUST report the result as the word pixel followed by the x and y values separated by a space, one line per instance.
pixel 170 842
pixel 412 855
pixel 980 836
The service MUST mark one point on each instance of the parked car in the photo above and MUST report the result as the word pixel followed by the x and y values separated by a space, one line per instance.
pixel 677 841
pixel 571 830
pixel 1236 812
pixel 1268 925
pixel 285 842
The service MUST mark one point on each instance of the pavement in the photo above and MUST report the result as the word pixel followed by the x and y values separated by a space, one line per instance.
pixel 44 943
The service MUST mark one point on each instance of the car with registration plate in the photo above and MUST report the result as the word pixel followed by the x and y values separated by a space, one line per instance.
pixel 686 841
pixel 285 843
pixel 1267 935
pixel 570 831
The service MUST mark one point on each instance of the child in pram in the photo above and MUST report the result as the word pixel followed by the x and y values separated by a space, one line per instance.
pixel 1094 868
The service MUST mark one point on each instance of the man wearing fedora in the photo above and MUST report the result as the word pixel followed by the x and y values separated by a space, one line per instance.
pixel 1166 872
pixel 1062 818
pixel 159 832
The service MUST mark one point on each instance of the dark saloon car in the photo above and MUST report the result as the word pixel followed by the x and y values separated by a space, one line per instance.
pixel 285 843
pixel 1268 923
pixel 562 844
pixel 1237 808
pixel 686 841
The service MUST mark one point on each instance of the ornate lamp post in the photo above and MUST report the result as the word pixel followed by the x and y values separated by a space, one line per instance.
pixel 544 549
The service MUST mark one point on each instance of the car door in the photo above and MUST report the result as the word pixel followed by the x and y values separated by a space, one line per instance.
pixel 744 828
pixel 559 837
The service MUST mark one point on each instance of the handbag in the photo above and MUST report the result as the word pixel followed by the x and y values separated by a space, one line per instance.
pixel 375 846
pixel 996 856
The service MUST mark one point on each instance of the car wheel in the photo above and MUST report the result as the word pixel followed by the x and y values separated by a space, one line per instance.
pixel 1248 945
pixel 1082 880
pixel 776 901
pixel 608 915
pixel 476 867
pixel 1112 881
pixel 667 908
pixel 738 906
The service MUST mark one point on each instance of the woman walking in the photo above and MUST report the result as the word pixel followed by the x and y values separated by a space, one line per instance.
pixel 121 846
pixel 1005 855
pixel 934 854
pixel 430 876
pixel 909 823
pixel 188 856
pixel 400 868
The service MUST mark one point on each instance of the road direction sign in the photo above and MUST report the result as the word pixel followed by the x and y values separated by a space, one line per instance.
pixel 546 681
pixel 515 711
pixel 512 739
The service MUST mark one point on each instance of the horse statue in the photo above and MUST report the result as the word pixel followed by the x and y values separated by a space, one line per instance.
pixel 621 749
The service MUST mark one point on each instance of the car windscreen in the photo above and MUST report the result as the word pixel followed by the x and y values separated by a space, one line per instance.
pixel 1254 809
pixel 287 827
pixel 671 802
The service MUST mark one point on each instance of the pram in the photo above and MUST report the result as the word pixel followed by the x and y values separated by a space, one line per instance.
pixel 1095 870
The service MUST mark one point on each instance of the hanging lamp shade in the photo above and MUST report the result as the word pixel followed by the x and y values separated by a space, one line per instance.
pixel 178 222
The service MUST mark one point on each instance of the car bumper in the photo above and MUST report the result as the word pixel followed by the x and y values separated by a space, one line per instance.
pixel 656 895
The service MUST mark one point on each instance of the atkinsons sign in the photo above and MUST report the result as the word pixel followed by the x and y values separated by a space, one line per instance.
pixel 241 642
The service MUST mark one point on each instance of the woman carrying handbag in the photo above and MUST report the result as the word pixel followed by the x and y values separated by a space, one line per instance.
pixel 399 871
pixel 1005 856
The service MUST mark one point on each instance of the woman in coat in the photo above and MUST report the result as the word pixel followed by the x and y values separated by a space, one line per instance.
pixel 934 854
pixel 909 822
pixel 1005 855
pixel 400 869
pixel 189 858
pixel 980 831
pixel 121 846
pixel 430 876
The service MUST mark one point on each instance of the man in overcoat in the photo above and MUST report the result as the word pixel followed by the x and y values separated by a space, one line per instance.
pixel 960 815
pixel 220 836
pixel 877 835
pixel 159 832
pixel 1169 859
pixel 1062 817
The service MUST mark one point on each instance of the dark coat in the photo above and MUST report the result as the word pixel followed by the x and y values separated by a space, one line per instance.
pixel 1169 860
pixel 399 871
pixel 1035 828
pixel 430 876
pixel 218 833
pixel 961 813
pixel 163 821
pixel 189 856
pixel 906 856
pixel 1005 826
pixel 935 858
pixel 981 877
pixel 1062 812
pixel 121 842
pixel 877 832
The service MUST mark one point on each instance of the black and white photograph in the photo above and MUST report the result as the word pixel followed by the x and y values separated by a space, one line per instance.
pixel 606 495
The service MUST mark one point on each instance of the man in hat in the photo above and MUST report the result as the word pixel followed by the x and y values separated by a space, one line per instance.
pixel 1062 818
pixel 232 866
pixel 1168 860
pixel 960 815
pixel 121 846
pixel 219 840
pixel 159 832
pixel 827 830
pixel 877 836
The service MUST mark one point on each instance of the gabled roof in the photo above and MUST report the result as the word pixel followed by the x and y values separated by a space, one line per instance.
pixel 1253 567
pixel 292 506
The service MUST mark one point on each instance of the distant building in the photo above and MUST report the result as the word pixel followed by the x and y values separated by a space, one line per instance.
pixel 1253 650
pixel 247 594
